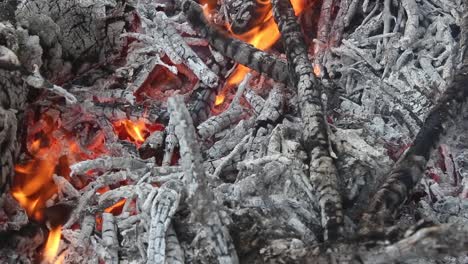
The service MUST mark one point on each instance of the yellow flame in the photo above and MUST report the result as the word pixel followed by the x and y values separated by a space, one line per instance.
pixel 134 129
pixel 219 99
pixel 52 244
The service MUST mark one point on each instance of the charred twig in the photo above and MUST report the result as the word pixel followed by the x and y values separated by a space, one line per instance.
pixel 323 173
pixel 202 98
pixel 235 49
pixel 323 31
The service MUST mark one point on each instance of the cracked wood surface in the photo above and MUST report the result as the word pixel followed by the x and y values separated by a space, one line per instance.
pixel 322 170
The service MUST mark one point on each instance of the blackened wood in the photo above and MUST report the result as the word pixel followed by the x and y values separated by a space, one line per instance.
pixel 233 48
pixel 323 173
pixel 245 14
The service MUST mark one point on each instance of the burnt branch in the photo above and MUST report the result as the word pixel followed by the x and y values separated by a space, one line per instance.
pixel 235 49
pixel 213 236
pixel 322 170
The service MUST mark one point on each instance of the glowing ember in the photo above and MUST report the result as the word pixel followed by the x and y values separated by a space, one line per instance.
pixel 317 70
pixel 116 207
pixel 33 184
pixel 219 99
pixel 135 131
pixel 52 244
pixel 52 150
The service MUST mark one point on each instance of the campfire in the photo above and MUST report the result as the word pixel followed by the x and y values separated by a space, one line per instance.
pixel 234 131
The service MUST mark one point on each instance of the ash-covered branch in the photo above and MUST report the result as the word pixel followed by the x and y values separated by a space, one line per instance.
pixel 164 206
pixel 323 173
pixel 174 252
pixel 216 123
pixel 214 236
pixel 407 172
pixel 108 163
pixel 109 238
pixel 412 23
pixel 36 80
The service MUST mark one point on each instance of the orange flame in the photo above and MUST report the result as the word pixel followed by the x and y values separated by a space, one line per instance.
pixel 116 207
pixel 317 70
pixel 135 130
pixel 262 36
pixel 52 151
pixel 33 184
pixel 52 244
pixel 219 99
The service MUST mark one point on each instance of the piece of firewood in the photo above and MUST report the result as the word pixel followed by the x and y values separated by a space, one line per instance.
pixel 233 48
pixel 323 173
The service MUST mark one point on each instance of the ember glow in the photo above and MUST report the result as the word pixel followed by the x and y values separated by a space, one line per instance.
pixel 317 70
pixel 52 150
pixel 52 245
pixel 33 184
pixel 219 99
pixel 135 131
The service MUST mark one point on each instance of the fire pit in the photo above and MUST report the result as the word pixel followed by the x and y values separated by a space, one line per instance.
pixel 236 131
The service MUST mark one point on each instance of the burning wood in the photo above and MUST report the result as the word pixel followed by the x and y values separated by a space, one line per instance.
pixel 144 131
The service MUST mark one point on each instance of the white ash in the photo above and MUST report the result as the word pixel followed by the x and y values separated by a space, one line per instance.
pixel 389 76
pixel 109 163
